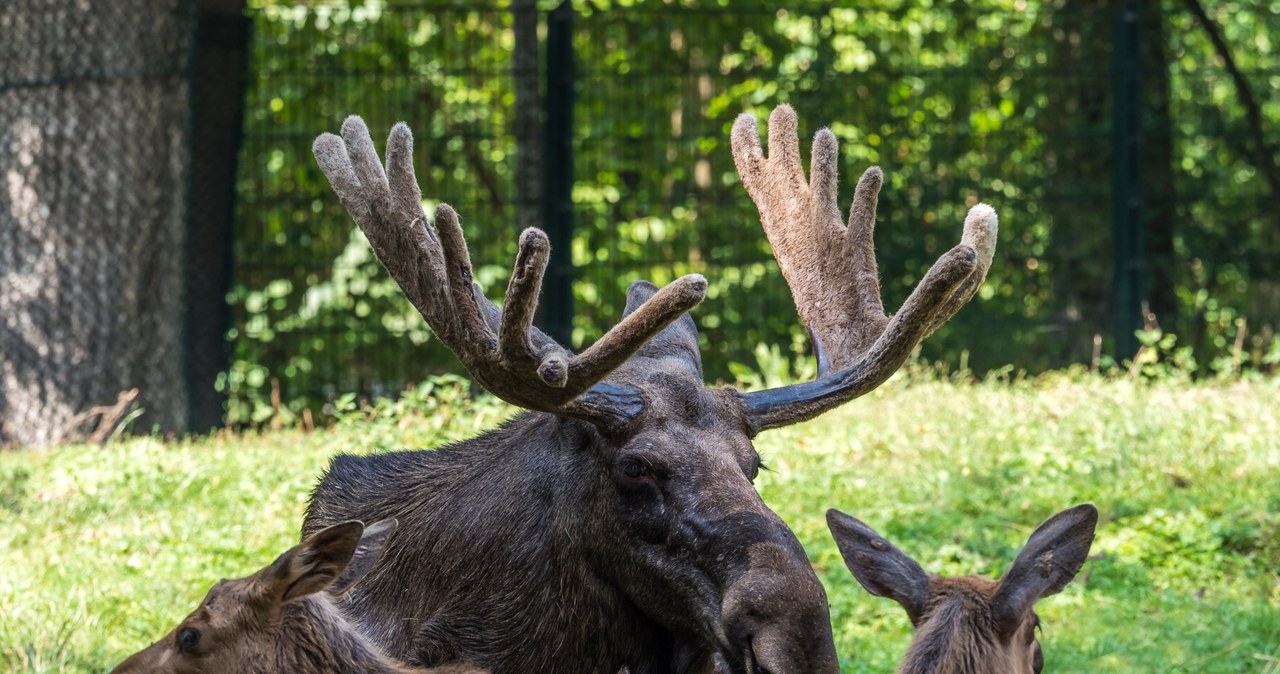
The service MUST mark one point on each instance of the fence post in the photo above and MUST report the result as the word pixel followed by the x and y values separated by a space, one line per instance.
pixel 558 176
pixel 1126 193
pixel 219 78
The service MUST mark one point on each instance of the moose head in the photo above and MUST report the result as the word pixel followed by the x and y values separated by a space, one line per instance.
pixel 281 620
pixel 970 624
pixel 615 524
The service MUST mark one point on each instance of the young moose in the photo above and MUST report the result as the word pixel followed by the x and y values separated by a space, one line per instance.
pixel 615 524
pixel 281 620
pixel 970 624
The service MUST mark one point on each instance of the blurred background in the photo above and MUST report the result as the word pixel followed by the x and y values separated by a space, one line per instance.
pixel 164 227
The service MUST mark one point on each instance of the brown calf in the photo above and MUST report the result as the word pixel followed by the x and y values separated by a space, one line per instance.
pixel 970 624
pixel 281 619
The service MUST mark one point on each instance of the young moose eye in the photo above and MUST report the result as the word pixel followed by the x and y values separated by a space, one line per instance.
pixel 188 639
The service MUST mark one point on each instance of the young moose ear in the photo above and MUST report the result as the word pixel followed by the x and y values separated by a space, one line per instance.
pixel 367 553
pixel 881 568
pixel 1052 557
pixel 315 563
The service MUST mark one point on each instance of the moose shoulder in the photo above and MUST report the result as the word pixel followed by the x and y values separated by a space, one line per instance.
pixel 615 524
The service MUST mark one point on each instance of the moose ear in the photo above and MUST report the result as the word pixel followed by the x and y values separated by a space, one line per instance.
pixel 678 340
pixel 315 563
pixel 367 553
pixel 1052 557
pixel 881 568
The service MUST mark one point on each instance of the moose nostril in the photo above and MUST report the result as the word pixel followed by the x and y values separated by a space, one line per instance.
pixel 776 617
pixel 752 665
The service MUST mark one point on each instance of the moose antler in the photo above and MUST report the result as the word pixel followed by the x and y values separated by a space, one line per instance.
pixel 500 348
pixel 832 270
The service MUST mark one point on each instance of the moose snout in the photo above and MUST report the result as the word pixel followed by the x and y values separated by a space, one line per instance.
pixel 149 659
pixel 776 618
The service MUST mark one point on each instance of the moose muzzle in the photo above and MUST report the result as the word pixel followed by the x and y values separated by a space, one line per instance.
pixel 775 616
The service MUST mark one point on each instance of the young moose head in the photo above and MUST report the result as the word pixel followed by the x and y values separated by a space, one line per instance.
pixel 280 620
pixel 969 624
pixel 617 524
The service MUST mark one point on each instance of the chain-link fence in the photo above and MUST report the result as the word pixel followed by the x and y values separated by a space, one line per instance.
pixel 1130 149
pixel 93 137
pixel 1110 138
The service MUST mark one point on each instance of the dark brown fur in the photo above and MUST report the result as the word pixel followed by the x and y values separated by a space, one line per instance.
pixel 958 633
pixel 538 552
pixel 970 624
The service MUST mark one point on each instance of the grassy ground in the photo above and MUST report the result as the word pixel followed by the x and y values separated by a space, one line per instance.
pixel 102 549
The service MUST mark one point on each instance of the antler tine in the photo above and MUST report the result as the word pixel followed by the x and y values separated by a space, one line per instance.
pixel 860 249
pixel 501 348
pixel 521 301
pixel 832 271
pixel 624 339
pixel 800 402
pixel 400 175
pixel 980 226
pixel 473 331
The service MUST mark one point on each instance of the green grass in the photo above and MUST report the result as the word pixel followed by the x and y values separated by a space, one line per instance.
pixel 103 549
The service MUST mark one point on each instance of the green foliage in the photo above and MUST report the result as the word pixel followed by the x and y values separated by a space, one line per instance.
pixel 1001 101
pixel 773 367
pixel 314 314
pixel 1160 357
pixel 106 548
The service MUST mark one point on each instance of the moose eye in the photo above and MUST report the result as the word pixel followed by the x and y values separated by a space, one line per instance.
pixel 188 639
pixel 756 468
pixel 634 469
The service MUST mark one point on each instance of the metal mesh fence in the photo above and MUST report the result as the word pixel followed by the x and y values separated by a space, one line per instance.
pixel 1130 149
pixel 1129 166
pixel 1096 133
pixel 1108 137
pixel 314 315
pixel 94 101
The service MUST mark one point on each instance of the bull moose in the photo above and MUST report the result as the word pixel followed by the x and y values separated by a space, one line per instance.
pixel 614 524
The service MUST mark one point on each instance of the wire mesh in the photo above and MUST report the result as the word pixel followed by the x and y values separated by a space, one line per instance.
pixel 93 132
pixel 960 102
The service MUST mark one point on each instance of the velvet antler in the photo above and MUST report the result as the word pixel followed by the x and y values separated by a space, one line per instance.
pixel 503 351
pixel 832 271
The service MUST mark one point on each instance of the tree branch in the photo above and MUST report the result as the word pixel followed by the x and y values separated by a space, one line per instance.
pixel 1253 114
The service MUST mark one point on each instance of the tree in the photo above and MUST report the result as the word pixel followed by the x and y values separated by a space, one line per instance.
pixel 93 122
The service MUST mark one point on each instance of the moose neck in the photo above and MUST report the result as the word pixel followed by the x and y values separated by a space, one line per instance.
pixel 319 639
pixel 497 524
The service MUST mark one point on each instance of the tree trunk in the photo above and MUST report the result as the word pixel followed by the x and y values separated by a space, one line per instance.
pixel 94 116
pixel 1265 159
pixel 218 69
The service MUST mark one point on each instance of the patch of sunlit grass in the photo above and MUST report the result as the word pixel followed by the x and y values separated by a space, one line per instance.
pixel 103 549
